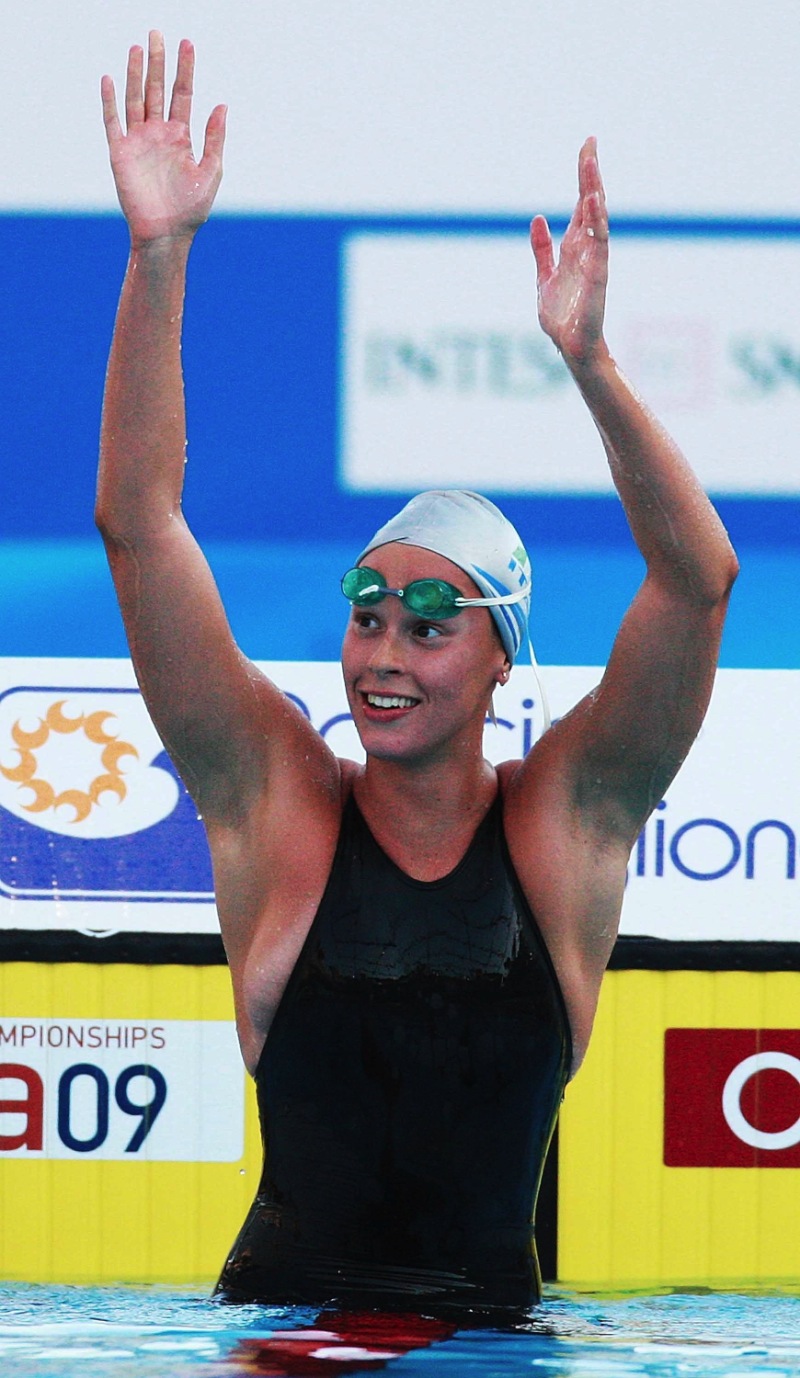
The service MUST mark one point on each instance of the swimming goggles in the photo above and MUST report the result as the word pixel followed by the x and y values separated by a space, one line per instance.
pixel 433 598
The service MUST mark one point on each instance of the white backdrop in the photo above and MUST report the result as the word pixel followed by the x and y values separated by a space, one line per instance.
pixel 427 105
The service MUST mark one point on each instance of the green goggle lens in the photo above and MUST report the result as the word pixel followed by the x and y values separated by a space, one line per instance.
pixel 363 586
pixel 432 598
pixel 427 597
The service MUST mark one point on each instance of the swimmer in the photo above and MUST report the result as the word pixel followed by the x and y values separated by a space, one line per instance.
pixel 417 944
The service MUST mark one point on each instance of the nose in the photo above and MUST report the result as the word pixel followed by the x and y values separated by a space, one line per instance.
pixel 386 652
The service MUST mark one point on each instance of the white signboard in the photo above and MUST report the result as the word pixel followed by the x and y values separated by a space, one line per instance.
pixel 449 382
pixel 717 860
pixel 124 1089
pixel 96 830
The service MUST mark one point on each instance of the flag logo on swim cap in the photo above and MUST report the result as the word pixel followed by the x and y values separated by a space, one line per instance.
pixel 472 532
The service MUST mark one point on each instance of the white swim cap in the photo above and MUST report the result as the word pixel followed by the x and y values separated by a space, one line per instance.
pixel 470 531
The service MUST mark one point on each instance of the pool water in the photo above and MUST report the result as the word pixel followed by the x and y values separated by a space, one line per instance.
pixel 64 1332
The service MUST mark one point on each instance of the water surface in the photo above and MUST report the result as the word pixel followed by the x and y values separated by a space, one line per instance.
pixel 64 1332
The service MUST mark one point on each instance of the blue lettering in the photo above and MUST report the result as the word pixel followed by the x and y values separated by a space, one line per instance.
pixel 334 722
pixel 65 1134
pixel 527 728
pixel 641 853
pixel 660 826
pixel 736 848
pixel 750 846
pixel 293 698
pixel 148 1112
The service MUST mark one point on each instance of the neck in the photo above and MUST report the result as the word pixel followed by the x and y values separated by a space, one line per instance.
pixel 424 814
pixel 449 790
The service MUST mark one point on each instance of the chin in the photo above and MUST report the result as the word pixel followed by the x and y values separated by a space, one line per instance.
pixel 381 750
pixel 378 744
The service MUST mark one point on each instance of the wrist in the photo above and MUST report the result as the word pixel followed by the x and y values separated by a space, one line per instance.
pixel 156 275
pixel 160 253
pixel 595 361
pixel 158 243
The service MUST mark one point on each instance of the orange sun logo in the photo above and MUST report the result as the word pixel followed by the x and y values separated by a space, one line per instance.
pixel 26 776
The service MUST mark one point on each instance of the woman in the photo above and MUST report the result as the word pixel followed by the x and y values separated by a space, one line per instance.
pixel 417 944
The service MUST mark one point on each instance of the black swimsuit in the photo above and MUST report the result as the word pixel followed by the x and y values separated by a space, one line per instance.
pixel 408 1090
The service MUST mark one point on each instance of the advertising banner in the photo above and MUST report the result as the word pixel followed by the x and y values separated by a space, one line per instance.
pixel 129 1139
pixel 96 830
pixel 449 382
pixel 132 1090
pixel 732 1098
pixel 98 835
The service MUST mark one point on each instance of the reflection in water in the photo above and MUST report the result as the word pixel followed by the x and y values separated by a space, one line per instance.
pixel 340 1341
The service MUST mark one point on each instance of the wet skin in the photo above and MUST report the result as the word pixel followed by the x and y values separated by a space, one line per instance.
pixel 270 791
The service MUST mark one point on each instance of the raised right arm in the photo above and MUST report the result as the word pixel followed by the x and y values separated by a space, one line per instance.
pixel 231 733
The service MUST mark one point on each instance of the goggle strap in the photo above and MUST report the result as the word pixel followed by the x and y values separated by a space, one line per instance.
pixel 496 601
pixel 505 599
pixel 546 718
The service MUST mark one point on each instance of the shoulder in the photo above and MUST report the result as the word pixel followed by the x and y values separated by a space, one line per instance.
pixel 553 827
pixel 349 773
pixel 547 770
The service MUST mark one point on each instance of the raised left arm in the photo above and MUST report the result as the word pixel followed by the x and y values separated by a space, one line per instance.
pixel 626 741
pixel 574 806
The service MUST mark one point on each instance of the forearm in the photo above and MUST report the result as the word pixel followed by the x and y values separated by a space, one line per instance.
pixel 143 434
pixel 676 528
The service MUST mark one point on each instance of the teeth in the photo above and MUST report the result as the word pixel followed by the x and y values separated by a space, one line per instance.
pixel 389 701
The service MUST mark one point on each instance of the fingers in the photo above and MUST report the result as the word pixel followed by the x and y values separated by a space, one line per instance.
pixel 144 94
pixel 134 100
pixel 181 103
pixel 154 84
pixel 575 225
pixel 595 219
pixel 215 137
pixel 592 196
pixel 147 104
pixel 542 245
pixel 110 117
pixel 589 180
pixel 588 171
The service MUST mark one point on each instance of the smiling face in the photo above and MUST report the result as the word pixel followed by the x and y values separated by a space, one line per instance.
pixel 418 688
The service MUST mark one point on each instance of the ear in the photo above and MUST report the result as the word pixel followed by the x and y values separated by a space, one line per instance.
pixel 503 673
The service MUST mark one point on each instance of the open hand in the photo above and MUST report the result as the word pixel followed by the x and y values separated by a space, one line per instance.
pixel 163 192
pixel 572 293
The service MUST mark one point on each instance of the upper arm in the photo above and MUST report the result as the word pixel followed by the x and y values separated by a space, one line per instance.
pixel 638 727
pixel 621 746
pixel 229 730
pixel 575 805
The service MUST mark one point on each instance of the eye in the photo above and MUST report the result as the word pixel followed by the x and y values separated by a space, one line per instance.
pixel 362 617
pixel 427 631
